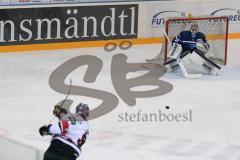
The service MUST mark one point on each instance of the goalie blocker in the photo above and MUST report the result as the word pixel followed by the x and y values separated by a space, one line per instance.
pixel 197 56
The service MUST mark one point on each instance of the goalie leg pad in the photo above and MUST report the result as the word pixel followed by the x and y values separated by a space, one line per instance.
pixel 205 63
pixel 172 66
pixel 175 51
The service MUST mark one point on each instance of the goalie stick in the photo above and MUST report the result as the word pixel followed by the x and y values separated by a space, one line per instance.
pixel 184 71
pixel 209 61
pixel 173 60
pixel 182 67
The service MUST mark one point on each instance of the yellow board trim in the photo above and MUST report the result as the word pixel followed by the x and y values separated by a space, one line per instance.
pixel 67 45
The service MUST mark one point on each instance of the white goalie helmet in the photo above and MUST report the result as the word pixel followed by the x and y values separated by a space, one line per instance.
pixel 194 29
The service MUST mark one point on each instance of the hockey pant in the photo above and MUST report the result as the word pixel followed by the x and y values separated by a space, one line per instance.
pixel 59 151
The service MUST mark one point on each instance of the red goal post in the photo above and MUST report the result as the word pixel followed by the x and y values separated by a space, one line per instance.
pixel 215 29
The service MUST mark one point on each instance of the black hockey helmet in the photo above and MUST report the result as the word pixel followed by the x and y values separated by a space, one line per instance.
pixel 83 110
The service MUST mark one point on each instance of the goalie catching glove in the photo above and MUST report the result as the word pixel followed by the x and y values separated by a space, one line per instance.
pixel 202 47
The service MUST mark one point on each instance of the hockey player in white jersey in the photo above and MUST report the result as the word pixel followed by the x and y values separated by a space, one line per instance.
pixel 192 45
pixel 68 135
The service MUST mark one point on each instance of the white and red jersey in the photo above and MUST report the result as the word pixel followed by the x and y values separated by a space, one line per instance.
pixel 71 132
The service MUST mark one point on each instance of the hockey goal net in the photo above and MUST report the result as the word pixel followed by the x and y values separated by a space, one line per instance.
pixel 215 29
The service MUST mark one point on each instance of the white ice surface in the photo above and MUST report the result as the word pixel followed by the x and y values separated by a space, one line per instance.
pixel 214 134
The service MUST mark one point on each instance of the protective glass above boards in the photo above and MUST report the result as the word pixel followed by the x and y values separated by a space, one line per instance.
pixel 34 2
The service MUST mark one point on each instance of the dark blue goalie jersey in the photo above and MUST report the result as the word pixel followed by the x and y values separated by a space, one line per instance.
pixel 186 39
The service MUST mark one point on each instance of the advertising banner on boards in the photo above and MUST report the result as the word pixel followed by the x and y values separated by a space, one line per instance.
pixel 4 2
pixel 64 1
pixel 158 12
pixel 26 2
pixel 64 24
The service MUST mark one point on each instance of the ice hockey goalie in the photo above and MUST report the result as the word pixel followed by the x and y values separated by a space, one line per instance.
pixel 191 46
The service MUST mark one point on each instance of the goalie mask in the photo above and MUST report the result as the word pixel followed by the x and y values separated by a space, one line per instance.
pixel 83 110
pixel 194 29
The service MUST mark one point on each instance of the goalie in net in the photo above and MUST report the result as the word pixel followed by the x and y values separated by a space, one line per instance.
pixel 198 40
pixel 192 46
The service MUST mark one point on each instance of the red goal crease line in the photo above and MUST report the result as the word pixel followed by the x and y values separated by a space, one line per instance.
pixel 86 44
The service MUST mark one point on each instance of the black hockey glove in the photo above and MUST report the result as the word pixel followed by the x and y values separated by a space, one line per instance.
pixel 44 130
pixel 58 110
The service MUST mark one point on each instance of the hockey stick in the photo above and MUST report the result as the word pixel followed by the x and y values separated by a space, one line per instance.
pixel 182 67
pixel 69 90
